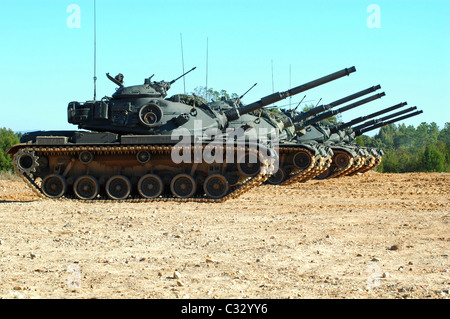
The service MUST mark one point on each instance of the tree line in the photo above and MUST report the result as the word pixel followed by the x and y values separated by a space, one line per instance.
pixel 425 148
pixel 7 139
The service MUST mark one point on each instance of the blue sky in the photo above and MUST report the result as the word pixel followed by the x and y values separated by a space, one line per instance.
pixel 45 64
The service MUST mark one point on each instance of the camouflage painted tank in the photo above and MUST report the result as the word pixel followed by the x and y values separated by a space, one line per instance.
pixel 305 132
pixel 138 145
pixel 350 158
pixel 298 161
pixel 372 156
pixel 309 128
pixel 303 151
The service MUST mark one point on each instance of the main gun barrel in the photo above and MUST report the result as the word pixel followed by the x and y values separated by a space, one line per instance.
pixel 325 107
pixel 275 97
pixel 363 118
pixel 385 118
pixel 331 113
pixel 381 124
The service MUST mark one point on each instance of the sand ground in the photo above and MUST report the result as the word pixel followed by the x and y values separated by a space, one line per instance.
pixel 367 236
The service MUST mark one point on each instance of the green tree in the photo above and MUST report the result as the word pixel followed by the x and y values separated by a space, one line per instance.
pixel 409 149
pixel 444 134
pixel 7 139
pixel 390 163
pixel 433 160
pixel 211 94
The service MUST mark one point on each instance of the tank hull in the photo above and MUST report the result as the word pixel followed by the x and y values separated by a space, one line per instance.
pixel 94 166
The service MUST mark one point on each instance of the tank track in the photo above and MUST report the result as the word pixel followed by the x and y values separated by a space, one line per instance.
pixel 317 165
pixel 326 163
pixel 297 173
pixel 336 170
pixel 234 191
pixel 358 163
pixel 375 161
pixel 321 165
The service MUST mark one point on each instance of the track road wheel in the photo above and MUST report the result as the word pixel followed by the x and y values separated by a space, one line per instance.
pixel 302 160
pixel 342 160
pixel 278 177
pixel 118 187
pixel 216 186
pixel 54 186
pixel 249 165
pixel 150 186
pixel 86 187
pixel 183 186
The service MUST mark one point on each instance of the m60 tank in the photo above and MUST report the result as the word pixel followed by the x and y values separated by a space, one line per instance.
pixel 376 154
pixel 309 129
pixel 348 158
pixel 299 161
pixel 137 145
pixel 305 131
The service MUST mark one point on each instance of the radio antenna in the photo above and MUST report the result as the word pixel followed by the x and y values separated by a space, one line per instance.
pixel 95 53
pixel 182 61
pixel 206 84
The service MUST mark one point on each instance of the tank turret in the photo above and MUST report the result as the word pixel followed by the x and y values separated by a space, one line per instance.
pixel 142 109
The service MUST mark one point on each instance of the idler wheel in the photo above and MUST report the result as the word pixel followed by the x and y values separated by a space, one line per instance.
pixel 86 187
pixel 26 161
pixel 246 167
pixel 278 177
pixel 118 187
pixel 150 186
pixel 341 160
pixel 216 186
pixel 86 157
pixel 183 186
pixel 54 186
pixel 302 160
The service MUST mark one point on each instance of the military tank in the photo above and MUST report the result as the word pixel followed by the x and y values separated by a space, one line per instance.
pixel 377 154
pixel 350 158
pixel 309 128
pixel 306 131
pixel 138 145
pixel 298 161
